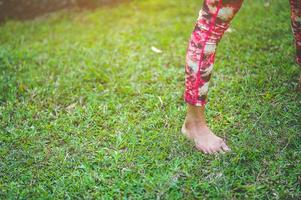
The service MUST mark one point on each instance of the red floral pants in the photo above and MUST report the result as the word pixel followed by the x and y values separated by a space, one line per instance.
pixel 214 19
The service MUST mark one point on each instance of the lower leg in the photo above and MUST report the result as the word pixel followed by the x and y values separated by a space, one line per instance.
pixel 213 21
pixel 296 28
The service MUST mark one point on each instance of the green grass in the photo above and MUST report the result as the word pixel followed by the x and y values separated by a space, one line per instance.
pixel 88 110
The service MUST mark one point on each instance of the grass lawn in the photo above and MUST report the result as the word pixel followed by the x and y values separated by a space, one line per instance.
pixel 88 110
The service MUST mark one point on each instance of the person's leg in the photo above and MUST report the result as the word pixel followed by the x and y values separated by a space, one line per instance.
pixel 296 28
pixel 214 19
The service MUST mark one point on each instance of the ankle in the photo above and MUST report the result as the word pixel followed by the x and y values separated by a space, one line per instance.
pixel 195 116
pixel 193 122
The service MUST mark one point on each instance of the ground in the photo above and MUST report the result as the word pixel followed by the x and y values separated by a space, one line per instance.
pixel 89 110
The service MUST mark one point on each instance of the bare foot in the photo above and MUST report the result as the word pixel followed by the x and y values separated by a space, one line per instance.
pixel 196 129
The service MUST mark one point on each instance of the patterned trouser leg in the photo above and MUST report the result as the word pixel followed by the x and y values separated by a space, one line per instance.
pixel 296 26
pixel 213 21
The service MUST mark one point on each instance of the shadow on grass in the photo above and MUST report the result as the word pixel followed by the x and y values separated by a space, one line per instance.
pixel 26 10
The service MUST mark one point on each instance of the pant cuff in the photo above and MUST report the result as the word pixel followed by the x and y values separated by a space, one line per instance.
pixel 194 102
